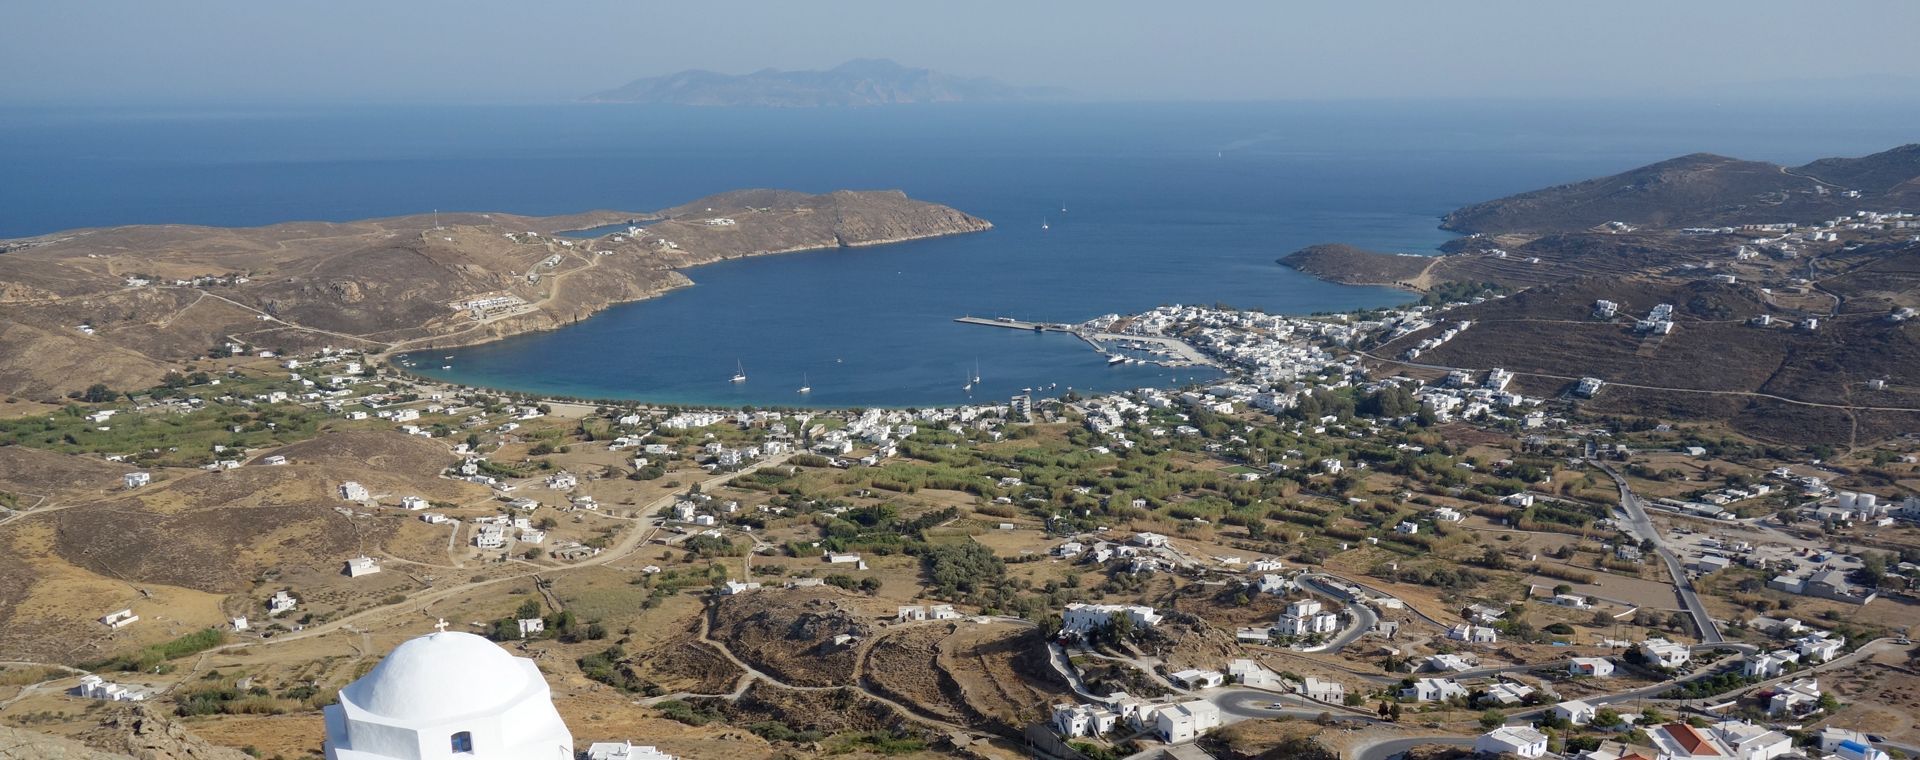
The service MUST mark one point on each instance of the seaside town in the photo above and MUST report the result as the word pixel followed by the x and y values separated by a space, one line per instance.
pixel 1405 555
pixel 1096 381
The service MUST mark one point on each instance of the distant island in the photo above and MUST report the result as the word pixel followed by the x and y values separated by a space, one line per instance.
pixel 860 82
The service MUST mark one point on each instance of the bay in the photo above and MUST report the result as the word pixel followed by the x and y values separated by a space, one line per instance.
pixel 1144 204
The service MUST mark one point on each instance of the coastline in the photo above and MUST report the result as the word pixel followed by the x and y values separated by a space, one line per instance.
pixel 676 279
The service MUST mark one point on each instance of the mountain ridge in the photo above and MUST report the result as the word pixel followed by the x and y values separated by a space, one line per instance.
pixel 1705 189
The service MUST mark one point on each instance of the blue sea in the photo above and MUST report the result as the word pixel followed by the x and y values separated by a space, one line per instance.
pixel 1144 204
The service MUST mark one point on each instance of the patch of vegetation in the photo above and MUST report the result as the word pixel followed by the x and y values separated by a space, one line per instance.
pixel 152 657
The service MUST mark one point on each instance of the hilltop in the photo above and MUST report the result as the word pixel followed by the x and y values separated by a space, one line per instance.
pixel 1703 189
pixel 860 82
pixel 125 305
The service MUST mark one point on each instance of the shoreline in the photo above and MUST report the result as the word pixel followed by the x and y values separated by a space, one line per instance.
pixel 677 279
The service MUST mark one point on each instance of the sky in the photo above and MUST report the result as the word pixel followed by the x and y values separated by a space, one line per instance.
pixel 489 51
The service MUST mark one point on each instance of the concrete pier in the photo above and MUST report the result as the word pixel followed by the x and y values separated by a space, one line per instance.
pixel 1185 351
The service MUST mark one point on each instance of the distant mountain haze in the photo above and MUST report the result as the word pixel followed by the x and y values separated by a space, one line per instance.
pixel 859 82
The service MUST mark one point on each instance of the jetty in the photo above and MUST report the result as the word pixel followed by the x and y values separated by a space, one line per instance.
pixel 1097 339
pixel 1016 324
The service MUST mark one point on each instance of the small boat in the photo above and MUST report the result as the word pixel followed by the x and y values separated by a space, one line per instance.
pixel 739 372
pixel 446 366
pixel 1116 359
pixel 805 387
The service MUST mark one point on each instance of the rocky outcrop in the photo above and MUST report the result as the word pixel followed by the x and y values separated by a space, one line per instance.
pixel 140 732
pixel 1355 266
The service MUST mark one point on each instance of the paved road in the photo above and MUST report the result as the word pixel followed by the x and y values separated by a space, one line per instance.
pixel 1641 525
pixel 1364 618
pixel 1249 704
pixel 1395 747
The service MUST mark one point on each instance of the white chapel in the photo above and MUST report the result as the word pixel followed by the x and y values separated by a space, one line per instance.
pixel 448 696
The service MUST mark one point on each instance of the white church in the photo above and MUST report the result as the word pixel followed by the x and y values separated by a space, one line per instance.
pixel 448 696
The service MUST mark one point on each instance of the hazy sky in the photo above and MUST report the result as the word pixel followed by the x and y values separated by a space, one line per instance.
pixel 148 51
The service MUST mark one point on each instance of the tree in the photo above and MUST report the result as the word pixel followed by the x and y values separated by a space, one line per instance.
pixel 1607 717
pixel 1492 719
pixel 98 393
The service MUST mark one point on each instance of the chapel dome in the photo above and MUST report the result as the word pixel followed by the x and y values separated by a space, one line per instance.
pixel 439 676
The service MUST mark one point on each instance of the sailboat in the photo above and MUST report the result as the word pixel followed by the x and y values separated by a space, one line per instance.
pixel 969 386
pixel 739 372
pixel 1063 207
pixel 976 370
pixel 805 387
pixel 1043 223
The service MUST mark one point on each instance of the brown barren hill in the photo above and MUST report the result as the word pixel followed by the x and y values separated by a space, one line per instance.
pixel 1703 189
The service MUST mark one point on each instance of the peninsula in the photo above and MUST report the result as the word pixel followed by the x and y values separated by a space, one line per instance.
pixel 124 306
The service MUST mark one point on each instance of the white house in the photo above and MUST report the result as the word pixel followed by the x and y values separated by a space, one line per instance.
pixel 1083 720
pixel 1767 665
pixel 531 626
pixel 1512 740
pixel 1819 647
pixel 624 751
pixel 1577 712
pixel 1406 528
pixel 352 491
pixel 1750 742
pixel 1797 698
pixel 95 687
pixel 415 503
pixel 1598 667
pixel 1186 721
pixel 362 565
pixel 1150 540
pixel 1475 634
pixel 119 619
pixel 1324 691
pixel 1665 653
pixel 1274 584
pixel 1080 617
pixel 138 479
pixel 1193 678
pixel 1434 690
pixel 280 603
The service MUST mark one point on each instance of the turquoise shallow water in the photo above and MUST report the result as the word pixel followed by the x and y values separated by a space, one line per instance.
pixel 1163 203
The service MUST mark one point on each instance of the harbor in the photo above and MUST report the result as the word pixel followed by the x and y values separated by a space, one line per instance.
pixel 1117 347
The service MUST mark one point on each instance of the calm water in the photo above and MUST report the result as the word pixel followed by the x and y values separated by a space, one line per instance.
pixel 1163 204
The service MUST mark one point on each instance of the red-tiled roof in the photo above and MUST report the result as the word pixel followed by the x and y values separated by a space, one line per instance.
pixel 1690 740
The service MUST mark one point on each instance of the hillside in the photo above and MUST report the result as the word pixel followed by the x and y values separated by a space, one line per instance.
pixel 1703 189
pixel 1774 383
pixel 123 305
pixel 860 82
